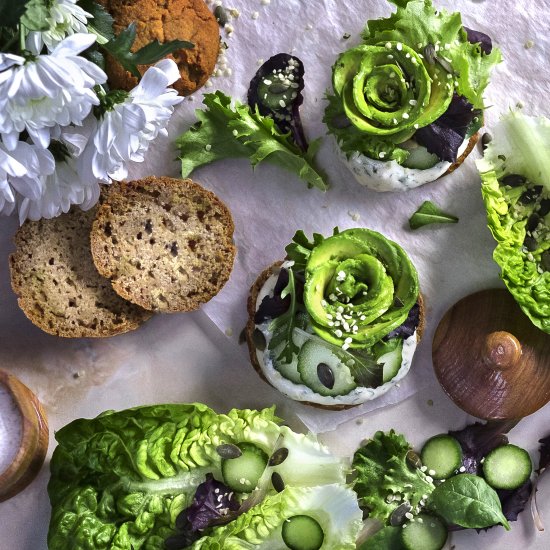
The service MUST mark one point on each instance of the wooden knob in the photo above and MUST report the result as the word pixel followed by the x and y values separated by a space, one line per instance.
pixel 501 350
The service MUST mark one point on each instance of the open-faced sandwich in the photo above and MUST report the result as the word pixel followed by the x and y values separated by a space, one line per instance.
pixel 336 324
pixel 407 102
pixel 515 172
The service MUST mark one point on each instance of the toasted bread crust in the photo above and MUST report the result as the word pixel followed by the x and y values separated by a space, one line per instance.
pixel 166 244
pixel 251 326
pixel 471 144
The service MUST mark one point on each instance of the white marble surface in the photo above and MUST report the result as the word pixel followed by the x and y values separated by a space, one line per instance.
pixel 186 358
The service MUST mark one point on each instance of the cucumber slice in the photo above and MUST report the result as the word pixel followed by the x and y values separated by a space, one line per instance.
pixel 419 158
pixel 243 473
pixel 441 454
pixel 391 358
pixel 302 533
pixel 289 370
pixel 427 532
pixel 507 467
pixel 323 371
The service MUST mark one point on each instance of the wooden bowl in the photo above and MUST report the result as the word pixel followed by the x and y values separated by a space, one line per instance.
pixel 33 446
pixel 490 359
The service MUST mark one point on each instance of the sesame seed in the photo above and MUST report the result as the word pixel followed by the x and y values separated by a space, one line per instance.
pixel 405 116
pixel 268 82
pixel 330 323
pixel 228 71
pixel 424 468
pixel 408 515
pixel 390 56
pixel 382 154
pixel 338 333
pixel 345 346
pixel 462 469
pixel 425 497
pixel 235 133
pixel 265 2
pixel 431 472
pixel 348 340
pixel 412 102
pixel 392 75
pixel 255 14
pixel 399 46
pixel 388 45
pixel 340 309
pixel 324 303
pixel 282 103
pixel 362 318
pixel 208 146
pixel 329 316
pixel 416 126
pixel 429 479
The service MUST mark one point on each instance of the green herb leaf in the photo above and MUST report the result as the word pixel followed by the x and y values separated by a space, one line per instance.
pixel 382 470
pixel 102 22
pixel 467 500
pixel 120 46
pixel 283 326
pixel 300 248
pixel 226 131
pixel 430 213
pixel 34 18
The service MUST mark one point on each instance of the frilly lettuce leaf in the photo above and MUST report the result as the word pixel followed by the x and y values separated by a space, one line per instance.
pixel 233 131
pixel 119 481
pixel 418 23
pixel 521 145
pixel 334 507
pixel 383 471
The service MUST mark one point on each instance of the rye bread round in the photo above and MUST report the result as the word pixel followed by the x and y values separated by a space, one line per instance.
pixel 251 326
pixel 58 286
pixel 166 244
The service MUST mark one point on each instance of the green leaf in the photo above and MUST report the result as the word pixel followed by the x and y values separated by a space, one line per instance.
pixel 11 12
pixel 101 23
pixel 382 470
pixel 467 500
pixel 300 248
pixel 282 327
pixel 120 47
pixel 234 131
pixel 521 145
pixel 388 538
pixel 36 13
pixel 430 213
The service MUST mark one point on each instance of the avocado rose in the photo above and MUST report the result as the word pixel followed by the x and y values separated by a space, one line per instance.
pixel 336 324
pixel 410 97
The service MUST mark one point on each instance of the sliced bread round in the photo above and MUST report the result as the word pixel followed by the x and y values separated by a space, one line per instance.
pixel 58 286
pixel 165 244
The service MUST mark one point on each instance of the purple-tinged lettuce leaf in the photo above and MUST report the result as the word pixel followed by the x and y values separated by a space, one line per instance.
pixel 478 37
pixel 544 450
pixel 445 136
pixel 409 326
pixel 267 90
pixel 514 502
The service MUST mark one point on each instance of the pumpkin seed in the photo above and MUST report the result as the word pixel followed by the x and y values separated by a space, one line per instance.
pixel 258 339
pixel 228 451
pixel 545 260
pixel 326 376
pixel 278 88
pixel 486 139
pixel 544 207
pixel 429 54
pixel 532 222
pixel 277 482
pixel 513 180
pixel 221 16
pixel 445 64
pixel 413 459
pixel 278 457
pixel 531 195
pixel 530 243
pixel 398 515
pixel 341 121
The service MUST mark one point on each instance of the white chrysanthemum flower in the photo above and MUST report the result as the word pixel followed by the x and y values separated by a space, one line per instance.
pixel 124 132
pixel 61 189
pixel 40 94
pixel 21 174
pixel 65 18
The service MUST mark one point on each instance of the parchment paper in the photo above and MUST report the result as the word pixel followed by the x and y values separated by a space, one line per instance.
pixel 269 205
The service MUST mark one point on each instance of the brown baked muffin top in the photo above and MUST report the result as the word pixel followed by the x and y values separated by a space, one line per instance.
pixel 58 286
pixel 168 20
pixel 165 243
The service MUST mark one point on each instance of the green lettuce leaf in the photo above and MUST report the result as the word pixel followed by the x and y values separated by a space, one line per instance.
pixel 383 471
pixel 233 131
pixel 521 146
pixel 418 23
pixel 119 481
pixel 334 507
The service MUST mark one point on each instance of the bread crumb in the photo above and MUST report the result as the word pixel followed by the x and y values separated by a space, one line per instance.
pixel 355 216
pixel 255 14
pixel 529 44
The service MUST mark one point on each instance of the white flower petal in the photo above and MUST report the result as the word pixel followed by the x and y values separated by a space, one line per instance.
pixel 73 45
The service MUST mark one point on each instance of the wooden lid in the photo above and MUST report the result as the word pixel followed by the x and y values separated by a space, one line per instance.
pixel 490 359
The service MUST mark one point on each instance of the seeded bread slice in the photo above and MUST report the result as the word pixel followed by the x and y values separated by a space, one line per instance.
pixel 251 326
pixel 165 243
pixel 58 286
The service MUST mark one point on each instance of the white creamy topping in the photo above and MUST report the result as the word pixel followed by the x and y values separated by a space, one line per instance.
pixel 10 428
pixel 300 392
pixel 391 176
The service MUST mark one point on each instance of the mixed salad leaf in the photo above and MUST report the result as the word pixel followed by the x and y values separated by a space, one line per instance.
pixel 515 174
pixel 430 213
pixel 225 131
